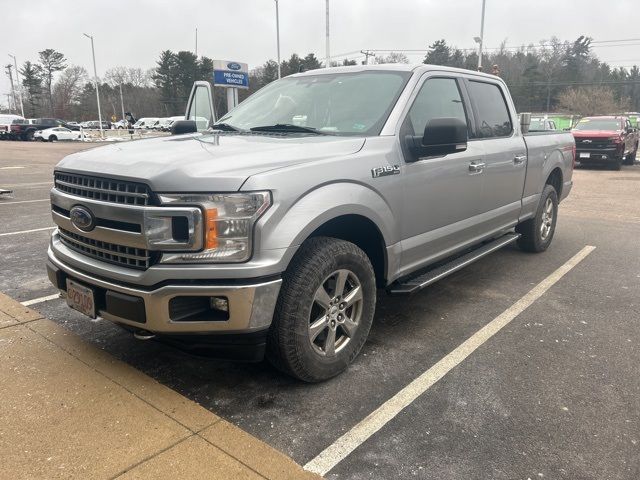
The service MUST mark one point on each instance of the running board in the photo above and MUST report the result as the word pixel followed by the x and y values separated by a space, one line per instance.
pixel 414 284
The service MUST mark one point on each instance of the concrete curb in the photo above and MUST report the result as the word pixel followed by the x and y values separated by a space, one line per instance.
pixel 70 410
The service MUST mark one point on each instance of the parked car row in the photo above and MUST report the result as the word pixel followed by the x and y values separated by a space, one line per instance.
pixel 15 127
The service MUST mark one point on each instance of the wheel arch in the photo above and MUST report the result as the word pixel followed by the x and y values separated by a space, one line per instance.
pixel 362 232
pixel 348 211
pixel 555 179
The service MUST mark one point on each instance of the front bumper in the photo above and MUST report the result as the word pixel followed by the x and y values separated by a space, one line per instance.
pixel 586 155
pixel 250 304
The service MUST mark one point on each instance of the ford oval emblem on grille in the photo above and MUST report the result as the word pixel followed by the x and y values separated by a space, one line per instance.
pixel 82 218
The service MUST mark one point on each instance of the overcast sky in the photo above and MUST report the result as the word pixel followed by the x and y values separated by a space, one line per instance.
pixel 133 32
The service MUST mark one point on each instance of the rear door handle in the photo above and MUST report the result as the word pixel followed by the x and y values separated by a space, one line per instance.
pixel 477 167
pixel 519 159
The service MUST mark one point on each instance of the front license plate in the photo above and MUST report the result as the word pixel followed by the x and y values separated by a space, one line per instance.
pixel 81 298
pixel 585 155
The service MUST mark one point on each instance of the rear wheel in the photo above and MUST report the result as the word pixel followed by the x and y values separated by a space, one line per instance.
pixel 537 233
pixel 324 311
pixel 53 138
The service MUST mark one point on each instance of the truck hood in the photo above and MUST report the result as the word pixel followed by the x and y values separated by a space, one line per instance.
pixel 595 133
pixel 205 162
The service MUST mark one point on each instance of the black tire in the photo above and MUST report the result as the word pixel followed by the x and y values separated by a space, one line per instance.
pixel 52 138
pixel 631 158
pixel 290 346
pixel 617 163
pixel 532 239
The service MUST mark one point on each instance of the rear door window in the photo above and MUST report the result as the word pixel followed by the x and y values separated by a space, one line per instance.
pixel 493 114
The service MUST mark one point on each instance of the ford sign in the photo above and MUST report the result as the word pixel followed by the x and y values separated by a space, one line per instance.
pixel 82 218
pixel 234 66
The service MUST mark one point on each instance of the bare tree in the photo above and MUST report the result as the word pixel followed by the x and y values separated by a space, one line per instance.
pixel 552 54
pixel 68 89
pixel 592 101
pixel 393 57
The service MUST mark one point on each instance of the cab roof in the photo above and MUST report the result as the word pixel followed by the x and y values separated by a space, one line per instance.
pixel 394 67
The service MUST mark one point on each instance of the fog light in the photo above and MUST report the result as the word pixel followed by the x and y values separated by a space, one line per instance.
pixel 219 303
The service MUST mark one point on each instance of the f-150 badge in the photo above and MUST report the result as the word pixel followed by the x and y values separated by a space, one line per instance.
pixel 384 171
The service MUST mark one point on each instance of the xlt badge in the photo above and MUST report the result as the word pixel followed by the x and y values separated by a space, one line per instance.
pixel 384 171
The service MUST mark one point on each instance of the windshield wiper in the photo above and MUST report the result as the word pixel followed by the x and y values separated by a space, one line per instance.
pixel 224 127
pixel 287 127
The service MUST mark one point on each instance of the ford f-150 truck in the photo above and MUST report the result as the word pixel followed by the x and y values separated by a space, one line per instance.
pixel 272 230
pixel 606 140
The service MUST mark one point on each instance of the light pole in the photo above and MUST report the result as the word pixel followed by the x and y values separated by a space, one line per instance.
pixel 121 101
pixel 328 62
pixel 13 90
pixel 278 36
pixel 95 74
pixel 479 40
pixel 15 62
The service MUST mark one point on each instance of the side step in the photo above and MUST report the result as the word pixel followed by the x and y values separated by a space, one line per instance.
pixel 413 284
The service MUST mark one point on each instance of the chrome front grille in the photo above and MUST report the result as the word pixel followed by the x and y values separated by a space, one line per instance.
pixel 103 189
pixel 130 257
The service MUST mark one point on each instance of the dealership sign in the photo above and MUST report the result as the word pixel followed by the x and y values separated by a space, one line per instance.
pixel 230 74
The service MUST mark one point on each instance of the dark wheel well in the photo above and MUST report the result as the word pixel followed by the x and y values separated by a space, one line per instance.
pixel 365 234
pixel 555 180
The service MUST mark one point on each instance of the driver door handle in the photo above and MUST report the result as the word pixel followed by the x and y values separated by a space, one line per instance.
pixel 519 159
pixel 477 167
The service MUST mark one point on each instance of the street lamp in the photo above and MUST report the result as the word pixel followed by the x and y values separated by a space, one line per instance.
pixel 95 74
pixel 479 40
pixel 15 62
pixel 278 35
pixel 328 62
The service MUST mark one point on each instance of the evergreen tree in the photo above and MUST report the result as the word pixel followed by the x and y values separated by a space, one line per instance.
pixel 439 53
pixel 51 62
pixel 32 84
pixel 166 80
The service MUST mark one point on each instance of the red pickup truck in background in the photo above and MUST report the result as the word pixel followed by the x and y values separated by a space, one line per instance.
pixel 606 140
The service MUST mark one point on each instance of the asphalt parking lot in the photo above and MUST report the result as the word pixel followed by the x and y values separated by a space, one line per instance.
pixel 553 394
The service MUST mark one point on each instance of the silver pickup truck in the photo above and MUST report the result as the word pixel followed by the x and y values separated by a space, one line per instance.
pixel 271 231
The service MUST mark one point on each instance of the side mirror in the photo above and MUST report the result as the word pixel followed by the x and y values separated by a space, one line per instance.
pixel 442 136
pixel 183 126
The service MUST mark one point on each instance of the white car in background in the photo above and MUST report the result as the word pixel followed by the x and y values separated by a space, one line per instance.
pixel 165 123
pixel 145 123
pixel 56 133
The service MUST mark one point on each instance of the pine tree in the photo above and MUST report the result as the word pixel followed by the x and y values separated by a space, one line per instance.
pixel 51 62
pixel 32 83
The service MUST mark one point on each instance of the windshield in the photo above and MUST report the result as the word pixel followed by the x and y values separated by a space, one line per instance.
pixel 355 103
pixel 598 124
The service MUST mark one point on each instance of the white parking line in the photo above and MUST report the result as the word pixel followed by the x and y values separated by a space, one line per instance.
pixel 346 444
pixel 25 201
pixel 11 168
pixel 26 231
pixel 32 184
pixel 40 300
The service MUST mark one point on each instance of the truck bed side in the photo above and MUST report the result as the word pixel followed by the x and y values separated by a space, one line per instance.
pixel 547 152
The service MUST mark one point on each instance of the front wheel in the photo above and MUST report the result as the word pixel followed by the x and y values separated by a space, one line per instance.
pixel 631 158
pixel 537 232
pixel 324 311
pixel 53 138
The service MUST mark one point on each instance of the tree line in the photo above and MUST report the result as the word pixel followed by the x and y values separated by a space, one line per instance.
pixel 552 76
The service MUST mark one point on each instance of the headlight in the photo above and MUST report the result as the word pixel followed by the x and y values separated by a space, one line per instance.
pixel 228 225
